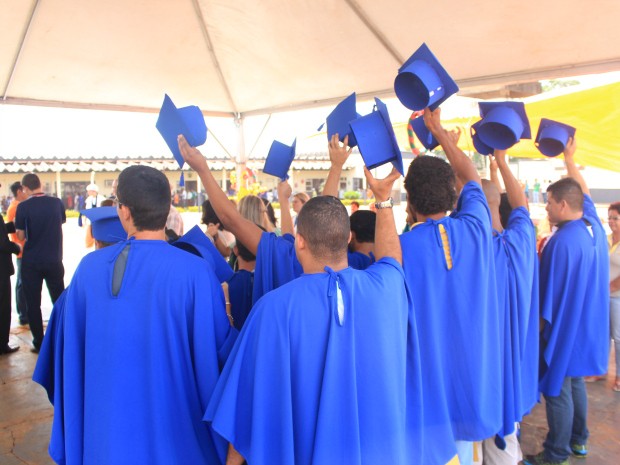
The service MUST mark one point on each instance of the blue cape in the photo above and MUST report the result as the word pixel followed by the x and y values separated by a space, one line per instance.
pixel 240 295
pixel 276 263
pixel 136 370
pixel 360 261
pixel 516 272
pixel 574 302
pixel 458 322
pixel 306 385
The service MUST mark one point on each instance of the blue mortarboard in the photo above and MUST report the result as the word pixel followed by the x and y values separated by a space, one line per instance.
pixel 481 147
pixel 424 135
pixel 553 136
pixel 503 124
pixel 339 119
pixel 422 81
pixel 105 223
pixel 188 121
pixel 376 139
pixel 279 159
pixel 195 241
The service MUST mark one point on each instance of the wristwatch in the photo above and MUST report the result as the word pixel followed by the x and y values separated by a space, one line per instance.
pixel 389 203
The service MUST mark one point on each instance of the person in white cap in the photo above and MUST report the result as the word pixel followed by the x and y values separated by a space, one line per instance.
pixel 94 198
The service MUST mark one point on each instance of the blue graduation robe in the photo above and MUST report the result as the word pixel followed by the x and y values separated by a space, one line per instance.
pixel 360 261
pixel 306 385
pixel 240 294
pixel 138 369
pixel 574 302
pixel 516 273
pixel 458 323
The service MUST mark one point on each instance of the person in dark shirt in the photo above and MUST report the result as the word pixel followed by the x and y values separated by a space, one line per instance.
pixel 6 270
pixel 39 220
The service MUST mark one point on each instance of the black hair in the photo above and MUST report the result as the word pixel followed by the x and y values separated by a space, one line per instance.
pixel 504 209
pixel 15 187
pixel 569 190
pixel 209 215
pixel 31 181
pixel 430 185
pixel 324 223
pixel 146 192
pixel 363 223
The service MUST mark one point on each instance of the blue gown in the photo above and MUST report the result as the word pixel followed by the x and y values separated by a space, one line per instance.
pixel 240 294
pixel 458 323
pixel 360 261
pixel 136 370
pixel 306 384
pixel 516 271
pixel 574 302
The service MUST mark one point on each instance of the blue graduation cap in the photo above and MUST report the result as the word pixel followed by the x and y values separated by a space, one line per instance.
pixel 424 135
pixel 105 223
pixel 503 124
pixel 339 119
pixel 279 159
pixel 376 139
pixel 422 81
pixel 553 136
pixel 188 121
pixel 196 242
pixel 481 147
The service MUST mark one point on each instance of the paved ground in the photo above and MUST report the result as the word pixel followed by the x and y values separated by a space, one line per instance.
pixel 26 415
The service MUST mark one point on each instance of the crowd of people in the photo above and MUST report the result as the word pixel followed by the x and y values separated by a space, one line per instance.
pixel 323 338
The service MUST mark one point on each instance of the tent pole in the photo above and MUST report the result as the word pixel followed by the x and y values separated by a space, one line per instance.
pixel 241 154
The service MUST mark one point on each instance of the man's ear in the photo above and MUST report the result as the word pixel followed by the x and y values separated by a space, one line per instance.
pixel 352 236
pixel 124 213
pixel 301 242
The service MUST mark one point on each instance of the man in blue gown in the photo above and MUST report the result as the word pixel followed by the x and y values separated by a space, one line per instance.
pixel 574 304
pixel 516 277
pixel 142 338
pixel 448 263
pixel 319 374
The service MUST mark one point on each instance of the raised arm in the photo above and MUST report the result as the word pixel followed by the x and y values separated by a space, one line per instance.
pixel 286 220
pixel 387 243
pixel 338 155
pixel 463 167
pixel 516 196
pixel 493 173
pixel 244 230
pixel 571 166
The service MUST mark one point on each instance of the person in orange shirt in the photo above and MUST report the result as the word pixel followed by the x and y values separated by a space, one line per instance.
pixel 18 196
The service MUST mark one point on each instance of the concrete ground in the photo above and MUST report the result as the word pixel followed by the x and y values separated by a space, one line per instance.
pixel 26 414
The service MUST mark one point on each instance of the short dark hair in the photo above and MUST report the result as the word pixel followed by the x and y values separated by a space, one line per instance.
pixel 363 223
pixel 31 181
pixel 146 192
pixel 355 202
pixel 16 187
pixel 504 209
pixel 324 223
pixel 569 190
pixel 209 215
pixel 430 185
pixel 615 207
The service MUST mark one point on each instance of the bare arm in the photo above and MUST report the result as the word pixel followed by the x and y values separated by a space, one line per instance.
pixel 234 457
pixel 213 231
pixel 244 230
pixel 516 196
pixel 463 167
pixel 21 235
pixel 338 155
pixel 571 166
pixel 387 243
pixel 493 173
pixel 614 285
pixel 286 220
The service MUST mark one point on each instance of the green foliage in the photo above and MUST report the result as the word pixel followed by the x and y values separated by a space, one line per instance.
pixel 553 84
pixel 351 195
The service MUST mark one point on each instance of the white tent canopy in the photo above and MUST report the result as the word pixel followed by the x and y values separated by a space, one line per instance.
pixel 248 57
